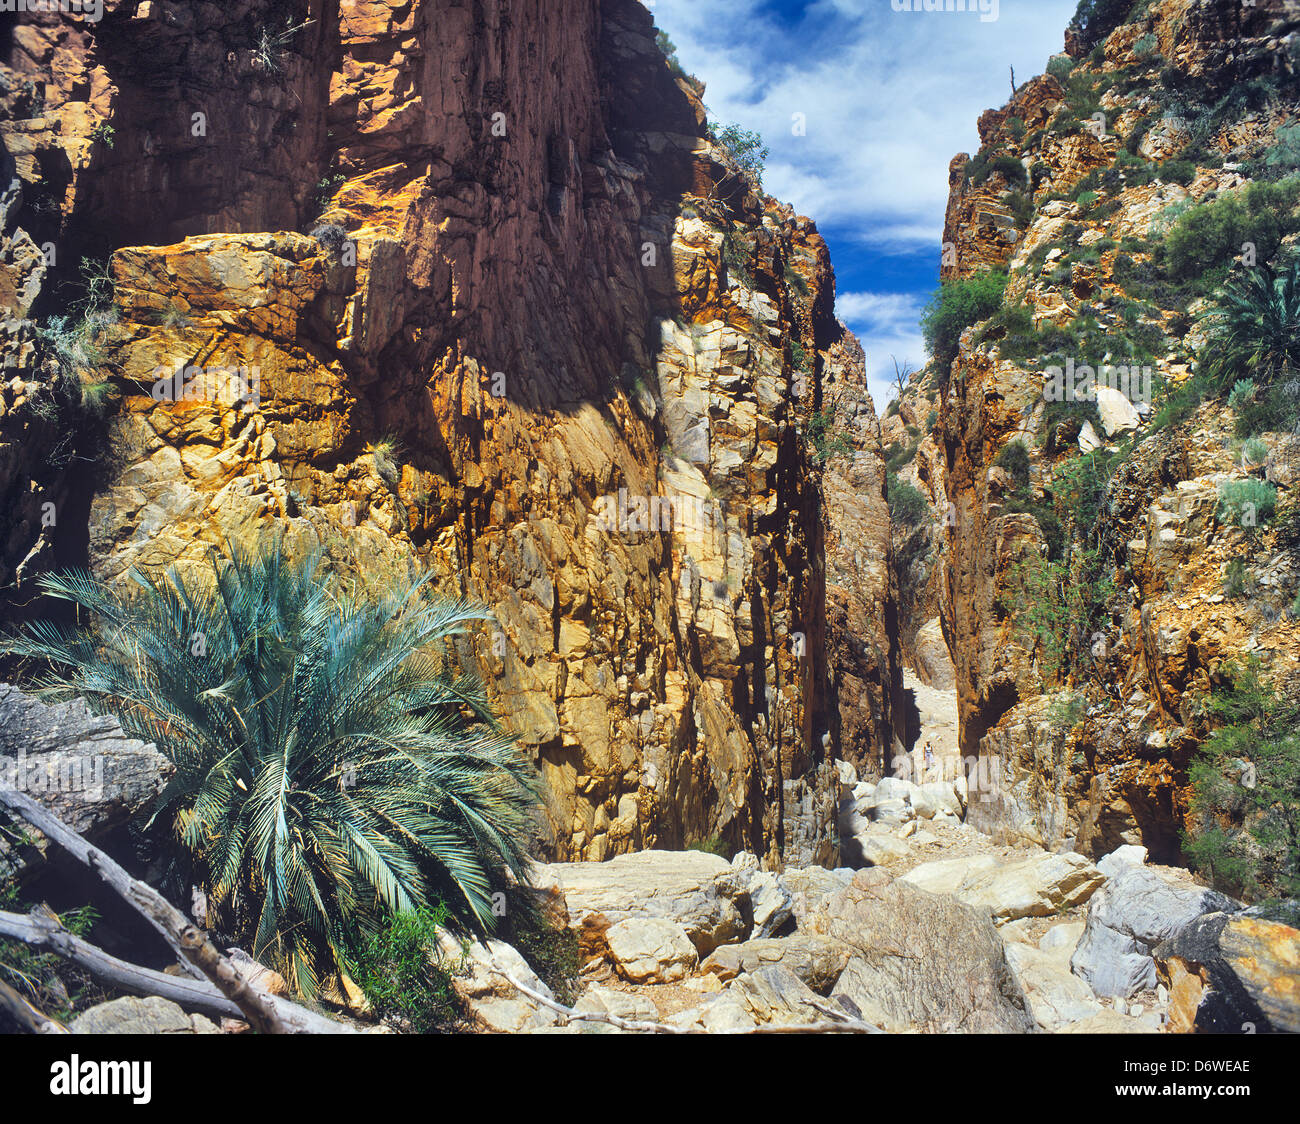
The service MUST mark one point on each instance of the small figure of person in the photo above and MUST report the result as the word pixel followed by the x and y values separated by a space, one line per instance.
pixel 929 759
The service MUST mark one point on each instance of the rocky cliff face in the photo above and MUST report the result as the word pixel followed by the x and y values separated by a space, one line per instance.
pixel 1072 195
pixel 453 287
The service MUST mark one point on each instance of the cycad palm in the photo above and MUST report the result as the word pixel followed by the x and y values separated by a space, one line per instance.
pixel 329 767
pixel 1254 329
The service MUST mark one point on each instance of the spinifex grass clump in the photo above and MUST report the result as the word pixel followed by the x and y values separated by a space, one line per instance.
pixel 331 768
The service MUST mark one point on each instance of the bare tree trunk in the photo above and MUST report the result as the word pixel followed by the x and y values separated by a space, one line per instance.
pixel 45 933
pixel 260 1010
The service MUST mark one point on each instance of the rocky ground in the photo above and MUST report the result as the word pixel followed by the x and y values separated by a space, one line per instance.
pixel 940 928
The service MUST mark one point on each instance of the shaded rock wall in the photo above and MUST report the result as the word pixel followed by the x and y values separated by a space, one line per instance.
pixel 534 319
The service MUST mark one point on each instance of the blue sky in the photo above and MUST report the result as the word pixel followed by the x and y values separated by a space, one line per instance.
pixel 889 98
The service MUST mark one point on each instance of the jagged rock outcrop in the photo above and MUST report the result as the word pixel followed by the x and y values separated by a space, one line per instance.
pixel 1088 716
pixel 80 766
pixel 459 290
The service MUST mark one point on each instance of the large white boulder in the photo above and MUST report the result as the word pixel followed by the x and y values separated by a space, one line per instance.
pixel 1120 858
pixel 1137 909
pixel 1056 998
pixel 651 950
pixel 1038 886
pixel 919 961
pixel 700 892
pixel 815 959
pixel 771 904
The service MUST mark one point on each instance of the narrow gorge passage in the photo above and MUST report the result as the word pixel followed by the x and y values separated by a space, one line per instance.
pixel 551 517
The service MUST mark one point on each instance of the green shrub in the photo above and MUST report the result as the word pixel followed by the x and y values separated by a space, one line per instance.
pixel 1241 390
pixel 550 948
pixel 828 440
pixel 1059 67
pixel 1246 788
pixel 1254 451
pixel 1148 44
pixel 1014 457
pixel 1056 607
pixel 1204 240
pixel 956 306
pixel 1178 171
pixel 1080 487
pixel 1234 579
pixel 402 973
pixel 1254 328
pixel 1272 409
pixel 331 767
pixel 1176 403
pixel 1095 19
pixel 713 845
pixel 1249 502
pixel 737 254
pixel 744 150
pixel 54 986
pixel 1008 167
pixel 1067 710
pixel 669 49
pixel 908 506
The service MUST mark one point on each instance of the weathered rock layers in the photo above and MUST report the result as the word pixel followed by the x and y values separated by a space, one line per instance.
pixel 529 347
pixel 1115 770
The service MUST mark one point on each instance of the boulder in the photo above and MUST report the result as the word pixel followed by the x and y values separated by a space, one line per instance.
pixel 1125 856
pixel 651 950
pixel 771 904
pixel 809 886
pixel 699 891
pixel 620 1004
pixel 771 996
pixel 1128 917
pixel 1062 938
pixel 815 959
pixel 1118 414
pixel 1107 1021
pixel 493 1002
pixel 1056 998
pixel 1038 886
pixel 946 876
pixel 1231 974
pixel 936 799
pixel 80 766
pixel 131 1015
pixel 919 961
pixel 878 848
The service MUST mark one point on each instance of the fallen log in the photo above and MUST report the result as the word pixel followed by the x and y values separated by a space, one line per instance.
pixel 48 935
pixel 838 1024
pixel 264 1012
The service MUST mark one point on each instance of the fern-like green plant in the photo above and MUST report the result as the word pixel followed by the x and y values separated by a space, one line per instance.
pixel 1254 328
pixel 331 768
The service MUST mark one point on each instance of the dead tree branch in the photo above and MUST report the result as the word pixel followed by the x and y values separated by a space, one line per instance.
pixel 263 1012
pixel 839 1024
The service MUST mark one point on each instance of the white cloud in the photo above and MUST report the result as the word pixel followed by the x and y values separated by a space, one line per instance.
pixel 890 97
pixel 886 323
